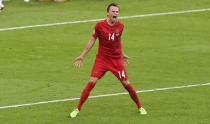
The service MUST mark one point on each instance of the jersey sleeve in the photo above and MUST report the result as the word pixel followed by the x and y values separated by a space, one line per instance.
pixel 122 28
pixel 96 31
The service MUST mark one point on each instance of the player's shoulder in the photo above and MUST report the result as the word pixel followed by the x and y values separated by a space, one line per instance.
pixel 120 23
pixel 99 23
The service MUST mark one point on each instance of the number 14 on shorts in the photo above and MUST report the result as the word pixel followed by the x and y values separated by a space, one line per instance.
pixel 121 74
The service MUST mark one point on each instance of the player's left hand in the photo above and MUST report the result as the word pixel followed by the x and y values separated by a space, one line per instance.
pixel 125 60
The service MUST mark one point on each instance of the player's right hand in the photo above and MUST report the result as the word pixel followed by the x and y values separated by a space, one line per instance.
pixel 79 61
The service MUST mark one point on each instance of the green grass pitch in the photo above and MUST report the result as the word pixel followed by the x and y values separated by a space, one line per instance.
pixel 37 64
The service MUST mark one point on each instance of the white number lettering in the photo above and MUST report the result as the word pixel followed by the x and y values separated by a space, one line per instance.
pixel 111 36
pixel 121 75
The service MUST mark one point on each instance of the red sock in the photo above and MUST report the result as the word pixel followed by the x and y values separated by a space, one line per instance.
pixel 133 95
pixel 85 94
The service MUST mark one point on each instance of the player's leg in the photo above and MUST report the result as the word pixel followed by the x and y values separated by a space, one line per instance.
pixel 132 92
pixel 122 76
pixel 119 71
pixel 86 91
pixel 84 96
pixel 98 72
pixel 133 95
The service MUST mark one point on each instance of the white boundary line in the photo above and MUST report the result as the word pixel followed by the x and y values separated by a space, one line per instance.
pixel 115 94
pixel 94 20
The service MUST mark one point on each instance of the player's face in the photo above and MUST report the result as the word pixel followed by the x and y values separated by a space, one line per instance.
pixel 113 13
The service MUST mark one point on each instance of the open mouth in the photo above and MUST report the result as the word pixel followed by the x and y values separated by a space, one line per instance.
pixel 115 17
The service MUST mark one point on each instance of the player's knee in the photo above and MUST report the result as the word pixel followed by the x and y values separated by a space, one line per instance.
pixel 93 79
pixel 124 83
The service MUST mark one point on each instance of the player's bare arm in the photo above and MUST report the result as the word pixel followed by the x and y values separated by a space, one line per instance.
pixel 79 59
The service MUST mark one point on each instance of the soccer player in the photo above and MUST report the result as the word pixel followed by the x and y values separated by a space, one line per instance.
pixel 110 57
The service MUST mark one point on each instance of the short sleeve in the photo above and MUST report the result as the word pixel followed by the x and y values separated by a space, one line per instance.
pixel 122 28
pixel 96 31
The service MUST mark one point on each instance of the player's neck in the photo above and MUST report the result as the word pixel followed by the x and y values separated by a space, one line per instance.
pixel 110 22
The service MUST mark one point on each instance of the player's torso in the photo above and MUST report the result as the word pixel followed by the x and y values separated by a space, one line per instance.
pixel 110 39
pixel 110 35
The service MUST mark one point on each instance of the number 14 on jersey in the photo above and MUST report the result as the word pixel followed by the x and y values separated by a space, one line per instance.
pixel 111 36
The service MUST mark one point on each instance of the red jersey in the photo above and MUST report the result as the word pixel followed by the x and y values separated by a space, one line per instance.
pixel 109 38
